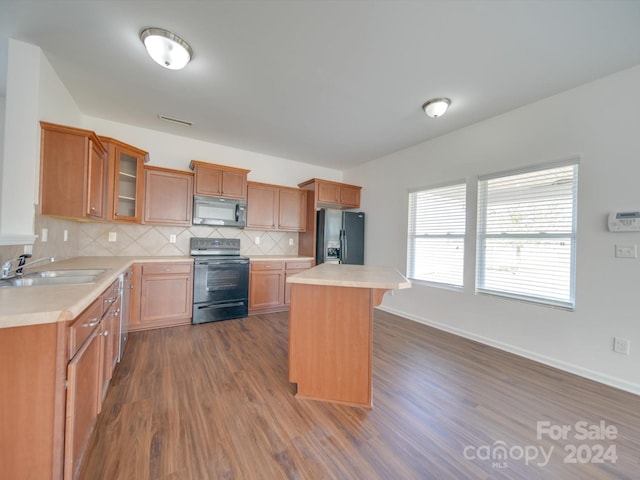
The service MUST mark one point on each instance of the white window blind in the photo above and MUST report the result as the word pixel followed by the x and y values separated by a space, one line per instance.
pixel 435 241
pixel 527 235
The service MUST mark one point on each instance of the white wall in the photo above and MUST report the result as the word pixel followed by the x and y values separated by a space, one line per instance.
pixel 599 123
pixel 34 92
pixel 173 151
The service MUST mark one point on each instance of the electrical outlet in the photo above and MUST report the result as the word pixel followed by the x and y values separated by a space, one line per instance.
pixel 626 251
pixel 257 240
pixel 621 345
pixel 65 236
pixel 291 241
pixel 113 236
pixel 172 238
pixel 44 235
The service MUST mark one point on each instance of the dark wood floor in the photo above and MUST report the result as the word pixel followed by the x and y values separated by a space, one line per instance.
pixel 213 401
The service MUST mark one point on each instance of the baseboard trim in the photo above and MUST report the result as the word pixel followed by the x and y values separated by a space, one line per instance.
pixel 552 362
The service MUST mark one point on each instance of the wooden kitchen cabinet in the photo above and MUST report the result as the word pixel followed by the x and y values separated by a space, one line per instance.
pixel 168 197
pixel 83 402
pixel 125 181
pixel 324 193
pixel 268 290
pixel 291 268
pixel 333 194
pixel 166 295
pixel 272 207
pixel 266 286
pixel 110 333
pixel 73 170
pixel 219 180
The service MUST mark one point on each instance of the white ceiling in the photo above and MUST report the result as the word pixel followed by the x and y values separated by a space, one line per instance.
pixel 333 83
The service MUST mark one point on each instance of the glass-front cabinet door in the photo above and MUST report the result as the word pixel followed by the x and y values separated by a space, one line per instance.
pixel 125 189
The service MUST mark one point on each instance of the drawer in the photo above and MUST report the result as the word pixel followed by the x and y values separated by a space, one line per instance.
pixel 110 296
pixel 265 265
pixel 84 325
pixel 298 264
pixel 166 268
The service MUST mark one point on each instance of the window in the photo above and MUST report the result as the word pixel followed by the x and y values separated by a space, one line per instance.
pixel 435 250
pixel 527 235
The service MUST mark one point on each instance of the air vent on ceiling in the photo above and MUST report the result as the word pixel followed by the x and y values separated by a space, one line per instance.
pixel 175 120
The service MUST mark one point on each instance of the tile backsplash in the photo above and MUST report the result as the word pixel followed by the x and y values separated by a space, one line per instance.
pixel 92 239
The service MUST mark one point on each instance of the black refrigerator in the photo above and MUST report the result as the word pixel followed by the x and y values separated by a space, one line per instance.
pixel 340 237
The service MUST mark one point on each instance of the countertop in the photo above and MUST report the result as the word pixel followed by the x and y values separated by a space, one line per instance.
pixel 22 306
pixel 275 258
pixel 362 276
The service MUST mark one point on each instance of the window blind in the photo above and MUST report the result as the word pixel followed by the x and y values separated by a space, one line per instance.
pixel 435 240
pixel 527 235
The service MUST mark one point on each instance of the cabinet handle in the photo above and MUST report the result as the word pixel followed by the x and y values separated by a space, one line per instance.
pixel 93 209
pixel 111 300
pixel 105 333
pixel 92 323
pixel 116 312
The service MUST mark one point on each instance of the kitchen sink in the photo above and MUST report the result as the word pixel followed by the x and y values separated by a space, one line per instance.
pixel 66 273
pixel 54 277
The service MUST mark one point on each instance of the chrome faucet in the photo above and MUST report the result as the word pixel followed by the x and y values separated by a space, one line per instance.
pixel 17 272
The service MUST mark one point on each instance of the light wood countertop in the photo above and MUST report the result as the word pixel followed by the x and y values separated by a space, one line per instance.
pixel 362 276
pixel 23 306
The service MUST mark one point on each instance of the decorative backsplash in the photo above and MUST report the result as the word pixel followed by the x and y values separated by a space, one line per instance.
pixel 92 239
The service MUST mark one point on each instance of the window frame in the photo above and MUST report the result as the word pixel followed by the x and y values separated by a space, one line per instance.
pixel 571 236
pixel 462 236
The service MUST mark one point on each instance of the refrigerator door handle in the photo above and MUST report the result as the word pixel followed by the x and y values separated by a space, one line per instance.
pixel 344 252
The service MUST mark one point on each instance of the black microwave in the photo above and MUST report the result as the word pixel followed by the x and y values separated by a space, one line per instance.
pixel 219 211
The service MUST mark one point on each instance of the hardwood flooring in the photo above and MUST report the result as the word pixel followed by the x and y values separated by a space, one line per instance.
pixel 212 401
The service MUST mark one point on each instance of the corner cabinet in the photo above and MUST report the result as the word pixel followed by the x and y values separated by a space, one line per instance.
pixel 165 295
pixel 73 170
pixel 219 180
pixel 168 197
pixel 268 290
pixel 125 182
pixel 271 207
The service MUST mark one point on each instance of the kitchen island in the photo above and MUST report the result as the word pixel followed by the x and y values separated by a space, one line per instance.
pixel 331 330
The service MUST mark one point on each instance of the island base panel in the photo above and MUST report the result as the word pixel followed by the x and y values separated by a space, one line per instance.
pixel 330 343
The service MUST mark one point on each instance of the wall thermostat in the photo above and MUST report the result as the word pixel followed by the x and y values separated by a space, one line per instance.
pixel 624 222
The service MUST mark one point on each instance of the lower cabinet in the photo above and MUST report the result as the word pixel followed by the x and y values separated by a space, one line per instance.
pixel 165 295
pixel 84 395
pixel 268 290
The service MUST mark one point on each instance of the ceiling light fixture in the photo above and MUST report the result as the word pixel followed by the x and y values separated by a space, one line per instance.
pixel 166 48
pixel 436 107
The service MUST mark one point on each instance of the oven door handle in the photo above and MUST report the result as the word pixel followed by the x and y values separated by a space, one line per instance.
pixel 224 305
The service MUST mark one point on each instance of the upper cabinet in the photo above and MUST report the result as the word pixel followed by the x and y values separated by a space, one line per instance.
pixel 168 196
pixel 272 207
pixel 73 169
pixel 219 180
pixel 125 182
pixel 324 193
pixel 333 194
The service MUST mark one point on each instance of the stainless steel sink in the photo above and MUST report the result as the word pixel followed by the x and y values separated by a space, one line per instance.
pixel 66 273
pixel 54 277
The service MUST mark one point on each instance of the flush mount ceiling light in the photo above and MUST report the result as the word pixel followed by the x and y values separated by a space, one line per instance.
pixel 166 48
pixel 436 107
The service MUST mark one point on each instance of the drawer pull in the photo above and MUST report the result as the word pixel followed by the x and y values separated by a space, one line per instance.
pixel 92 322
pixel 116 312
pixel 111 300
pixel 105 333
